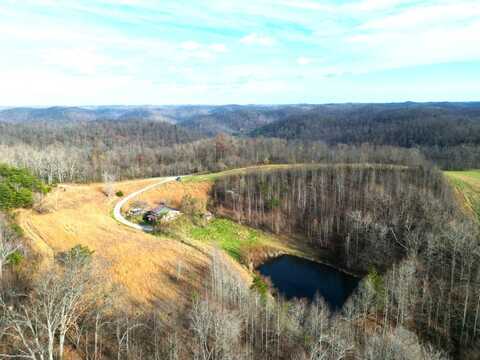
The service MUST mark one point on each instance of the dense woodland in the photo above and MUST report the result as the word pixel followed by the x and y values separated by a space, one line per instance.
pixel 448 134
pixel 81 144
pixel 135 149
pixel 402 221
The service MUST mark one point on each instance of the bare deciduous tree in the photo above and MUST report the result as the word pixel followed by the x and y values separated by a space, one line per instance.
pixel 108 184
pixel 8 246
pixel 38 323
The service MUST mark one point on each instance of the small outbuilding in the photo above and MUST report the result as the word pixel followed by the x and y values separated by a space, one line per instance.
pixel 162 212
pixel 136 211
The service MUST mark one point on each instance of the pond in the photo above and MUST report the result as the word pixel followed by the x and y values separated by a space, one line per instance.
pixel 295 277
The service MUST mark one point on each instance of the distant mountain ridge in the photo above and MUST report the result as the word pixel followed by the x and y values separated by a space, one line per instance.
pixel 402 124
pixel 65 114
pixel 448 134
pixel 56 113
pixel 405 124
pixel 205 119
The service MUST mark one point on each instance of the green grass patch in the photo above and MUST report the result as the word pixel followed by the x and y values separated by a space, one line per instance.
pixel 271 167
pixel 233 238
pixel 473 174
pixel 468 183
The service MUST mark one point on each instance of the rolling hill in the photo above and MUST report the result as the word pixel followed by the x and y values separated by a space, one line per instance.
pixel 447 133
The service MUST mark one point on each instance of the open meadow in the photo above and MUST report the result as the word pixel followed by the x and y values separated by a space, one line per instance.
pixel 145 266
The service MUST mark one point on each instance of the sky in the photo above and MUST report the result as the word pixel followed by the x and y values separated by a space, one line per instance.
pixel 136 52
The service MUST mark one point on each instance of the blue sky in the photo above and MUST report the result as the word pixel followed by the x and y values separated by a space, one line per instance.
pixel 217 52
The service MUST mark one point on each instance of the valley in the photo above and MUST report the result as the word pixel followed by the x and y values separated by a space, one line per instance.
pixel 269 236
pixel 240 180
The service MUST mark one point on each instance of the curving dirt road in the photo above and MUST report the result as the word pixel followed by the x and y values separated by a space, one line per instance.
pixel 117 211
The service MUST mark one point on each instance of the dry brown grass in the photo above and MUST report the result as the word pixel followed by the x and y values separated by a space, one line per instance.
pixel 144 265
pixel 173 192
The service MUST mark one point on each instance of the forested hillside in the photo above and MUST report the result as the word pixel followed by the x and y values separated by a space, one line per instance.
pixel 240 120
pixel 448 133
pixel 97 132
pixel 84 151
pixel 402 221
pixel 135 149
pixel 207 120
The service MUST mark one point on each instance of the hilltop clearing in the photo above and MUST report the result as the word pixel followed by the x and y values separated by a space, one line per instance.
pixel 145 265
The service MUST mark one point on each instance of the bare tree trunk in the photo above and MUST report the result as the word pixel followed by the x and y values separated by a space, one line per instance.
pixel 51 338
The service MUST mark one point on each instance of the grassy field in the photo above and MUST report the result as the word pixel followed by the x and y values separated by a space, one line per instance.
pixel 143 265
pixel 213 176
pixel 173 192
pixel 467 184
pixel 239 241
pixel 233 238
pixel 245 245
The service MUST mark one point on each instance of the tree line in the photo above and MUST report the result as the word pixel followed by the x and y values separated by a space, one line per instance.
pixel 85 152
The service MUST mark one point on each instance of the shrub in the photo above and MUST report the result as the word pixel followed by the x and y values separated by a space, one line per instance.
pixel 78 254
pixel 190 206
pixel 376 285
pixel 260 286
pixel 15 258
pixel 119 193
pixel 16 229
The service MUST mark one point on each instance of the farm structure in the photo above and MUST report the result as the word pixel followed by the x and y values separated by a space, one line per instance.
pixel 161 212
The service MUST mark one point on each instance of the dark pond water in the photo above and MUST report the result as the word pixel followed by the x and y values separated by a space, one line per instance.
pixel 295 277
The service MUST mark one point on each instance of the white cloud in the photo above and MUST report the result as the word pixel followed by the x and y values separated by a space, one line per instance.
pixel 256 39
pixel 307 5
pixel 347 8
pixel 37 87
pixel 220 48
pixel 202 51
pixel 149 61
pixel 190 45
pixel 423 16
pixel 374 5
pixel 83 60
pixel 302 60
pixel 433 33
pixel 435 45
